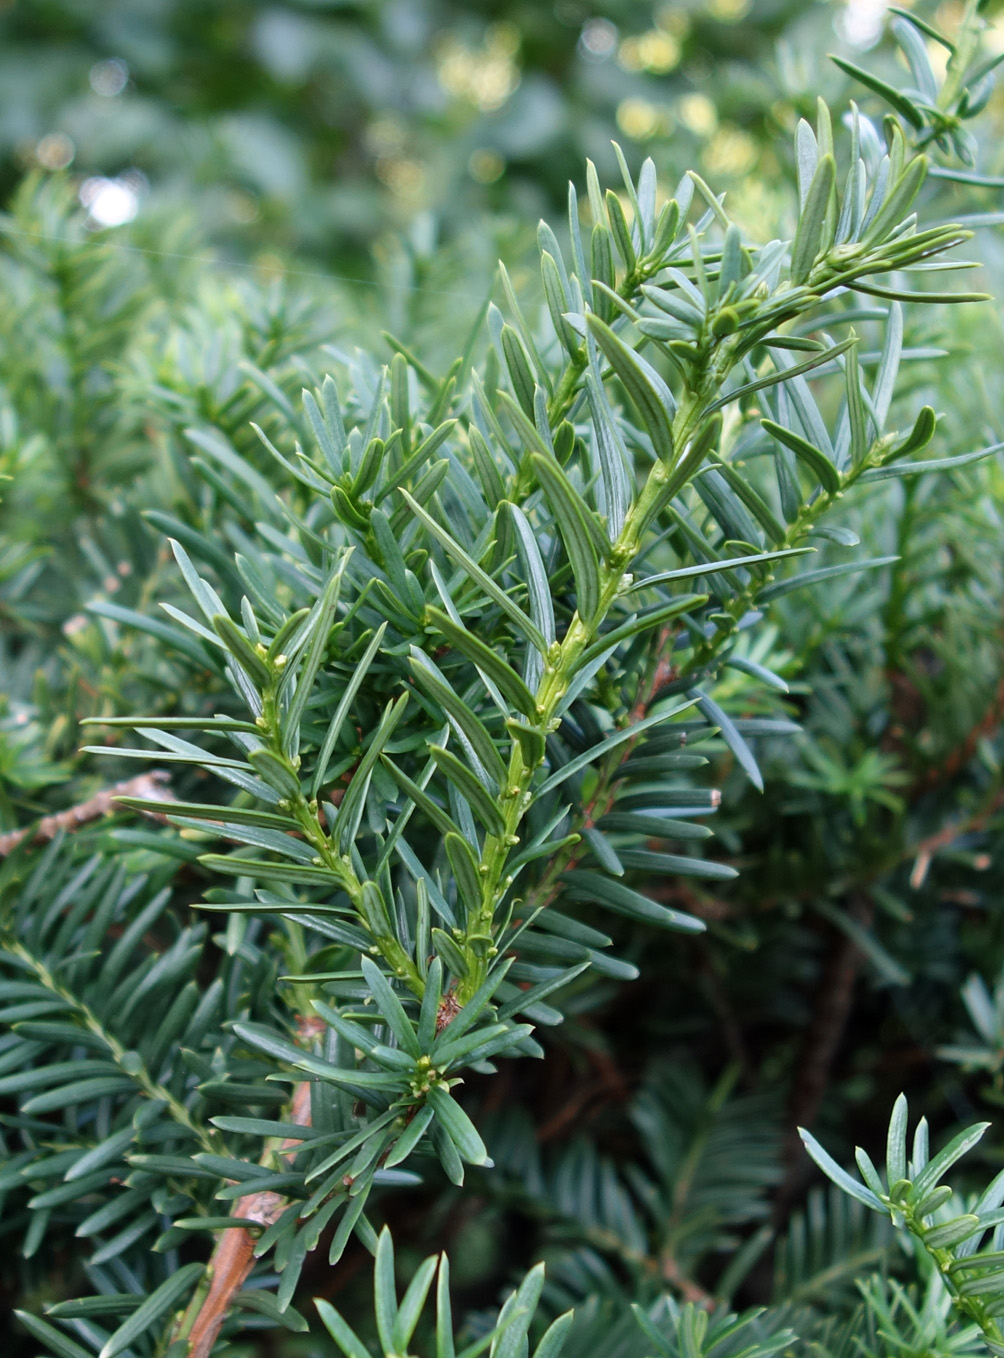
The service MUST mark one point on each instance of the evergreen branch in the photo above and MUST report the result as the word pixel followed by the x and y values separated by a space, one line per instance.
pixel 520 647
pixel 129 1062
pixel 912 1195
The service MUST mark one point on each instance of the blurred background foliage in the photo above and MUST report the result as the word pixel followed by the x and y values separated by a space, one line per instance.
pixel 208 204
pixel 310 126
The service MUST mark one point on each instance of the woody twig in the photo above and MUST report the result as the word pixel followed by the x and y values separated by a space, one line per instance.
pixel 233 1258
pixel 152 786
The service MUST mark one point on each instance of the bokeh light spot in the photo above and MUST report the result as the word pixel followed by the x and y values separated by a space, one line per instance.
pixel 731 151
pixel 638 119
pixel 485 166
pixel 109 78
pixel 697 114
pixel 110 202
pixel 55 151
pixel 655 52
pixel 729 11
pixel 484 76
pixel 860 22
pixel 598 39
pixel 403 176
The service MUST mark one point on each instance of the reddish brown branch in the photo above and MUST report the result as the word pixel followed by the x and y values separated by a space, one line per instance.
pixel 233 1256
pixel 449 1008
pixel 152 786
pixel 834 1002
pixel 686 1287
pixel 609 1086
pixel 960 756
pixel 924 852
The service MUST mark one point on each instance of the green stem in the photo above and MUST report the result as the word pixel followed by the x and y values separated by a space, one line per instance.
pixel 340 865
pixel 568 383
pixel 562 663
pixel 384 941
pixel 128 1061
pixel 973 1306
pixel 603 795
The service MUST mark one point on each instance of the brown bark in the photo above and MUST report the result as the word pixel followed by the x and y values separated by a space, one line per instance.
pixel 233 1257
pixel 153 786
pixel 834 1002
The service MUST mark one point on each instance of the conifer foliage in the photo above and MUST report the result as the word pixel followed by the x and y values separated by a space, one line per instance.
pixel 452 655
